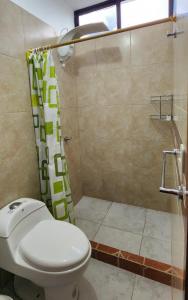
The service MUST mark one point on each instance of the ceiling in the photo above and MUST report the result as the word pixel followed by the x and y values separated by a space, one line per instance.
pixel 77 4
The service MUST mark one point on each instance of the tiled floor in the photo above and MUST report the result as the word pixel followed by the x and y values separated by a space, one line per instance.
pixel 106 282
pixel 134 229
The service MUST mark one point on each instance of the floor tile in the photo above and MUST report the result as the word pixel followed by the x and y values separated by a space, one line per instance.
pixel 158 225
pixel 92 209
pixel 178 294
pixel 126 217
pixel 88 227
pixel 106 282
pixel 119 239
pixel 156 249
pixel 146 289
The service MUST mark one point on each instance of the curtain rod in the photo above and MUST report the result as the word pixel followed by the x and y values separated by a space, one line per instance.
pixel 170 19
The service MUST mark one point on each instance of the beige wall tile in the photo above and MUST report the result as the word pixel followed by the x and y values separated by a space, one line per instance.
pixel 117 186
pixel 67 88
pixel 150 45
pixel 114 87
pixel 117 133
pixel 11 29
pixel 146 155
pixel 16 131
pixel 69 122
pixel 19 175
pixel 152 80
pixel 19 169
pixel 105 121
pixel 117 154
pixel 14 85
pixel 91 166
pixel 76 185
pixel 85 59
pixel 86 90
pixel 66 82
pixel 73 155
pixel 146 192
pixel 113 51
pixel 181 122
pixel 92 181
pixel 146 128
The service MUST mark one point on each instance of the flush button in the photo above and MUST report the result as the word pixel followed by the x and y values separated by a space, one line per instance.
pixel 14 205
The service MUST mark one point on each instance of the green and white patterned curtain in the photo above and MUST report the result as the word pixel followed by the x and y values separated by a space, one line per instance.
pixel 54 178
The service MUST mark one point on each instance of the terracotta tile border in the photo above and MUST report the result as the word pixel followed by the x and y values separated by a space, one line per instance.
pixel 140 265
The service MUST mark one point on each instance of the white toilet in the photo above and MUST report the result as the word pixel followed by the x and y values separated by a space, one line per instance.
pixel 52 254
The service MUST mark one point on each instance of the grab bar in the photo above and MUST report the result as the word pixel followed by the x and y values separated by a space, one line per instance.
pixel 180 190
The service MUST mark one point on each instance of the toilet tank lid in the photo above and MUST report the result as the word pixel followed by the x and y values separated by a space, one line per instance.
pixel 14 212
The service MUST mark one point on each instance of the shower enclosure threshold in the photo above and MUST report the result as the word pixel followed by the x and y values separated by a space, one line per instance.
pixel 143 266
pixel 130 237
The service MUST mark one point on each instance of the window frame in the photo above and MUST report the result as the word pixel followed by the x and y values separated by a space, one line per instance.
pixel 106 4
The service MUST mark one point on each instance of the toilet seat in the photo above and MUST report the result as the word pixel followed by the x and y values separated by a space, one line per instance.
pixel 54 246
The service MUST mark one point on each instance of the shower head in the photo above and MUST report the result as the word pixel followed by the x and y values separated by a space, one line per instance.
pixel 80 31
pixel 67 51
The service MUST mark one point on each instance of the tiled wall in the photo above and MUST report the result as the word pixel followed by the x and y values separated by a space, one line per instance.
pixel 180 45
pixel 19 31
pixel 180 72
pixel 70 127
pixel 121 147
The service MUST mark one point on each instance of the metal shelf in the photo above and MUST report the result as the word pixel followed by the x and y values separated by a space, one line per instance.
pixel 163 100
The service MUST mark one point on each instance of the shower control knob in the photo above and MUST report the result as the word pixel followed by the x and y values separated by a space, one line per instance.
pixel 67 139
pixel 14 205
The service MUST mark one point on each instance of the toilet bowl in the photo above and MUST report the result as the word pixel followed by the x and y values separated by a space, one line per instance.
pixel 3 297
pixel 51 254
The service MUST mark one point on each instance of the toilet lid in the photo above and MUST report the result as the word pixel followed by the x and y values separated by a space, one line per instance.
pixel 54 246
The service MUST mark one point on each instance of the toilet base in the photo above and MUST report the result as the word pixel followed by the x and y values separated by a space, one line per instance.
pixel 70 292
pixel 26 290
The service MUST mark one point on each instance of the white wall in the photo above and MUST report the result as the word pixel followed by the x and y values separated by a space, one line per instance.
pixel 57 13
pixel 181 7
pixel 77 4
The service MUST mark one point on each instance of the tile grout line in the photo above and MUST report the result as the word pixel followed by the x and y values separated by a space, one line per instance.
pixel 97 232
pixel 123 230
pixel 89 220
pixel 143 232
pixel 134 286
pixel 141 236
pixel 103 220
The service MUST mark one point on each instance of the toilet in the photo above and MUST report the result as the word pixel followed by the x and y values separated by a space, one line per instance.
pixel 3 297
pixel 51 254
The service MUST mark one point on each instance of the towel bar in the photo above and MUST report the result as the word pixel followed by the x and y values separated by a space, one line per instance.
pixel 180 191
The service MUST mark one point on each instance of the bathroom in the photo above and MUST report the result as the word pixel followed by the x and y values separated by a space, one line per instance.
pixel 123 90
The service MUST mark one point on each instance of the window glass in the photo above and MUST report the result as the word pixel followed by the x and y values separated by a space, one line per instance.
pixel 105 15
pixel 134 12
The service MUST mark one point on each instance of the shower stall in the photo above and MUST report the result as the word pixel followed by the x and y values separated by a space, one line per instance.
pixel 120 108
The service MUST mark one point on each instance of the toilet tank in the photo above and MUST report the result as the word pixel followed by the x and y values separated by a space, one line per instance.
pixel 23 213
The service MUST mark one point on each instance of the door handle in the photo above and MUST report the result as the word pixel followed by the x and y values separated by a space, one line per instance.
pixel 180 191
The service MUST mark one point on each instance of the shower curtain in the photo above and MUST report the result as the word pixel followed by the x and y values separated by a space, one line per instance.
pixel 54 178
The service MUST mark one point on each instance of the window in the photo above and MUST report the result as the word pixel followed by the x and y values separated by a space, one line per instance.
pixel 136 12
pixel 105 15
pixel 124 13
